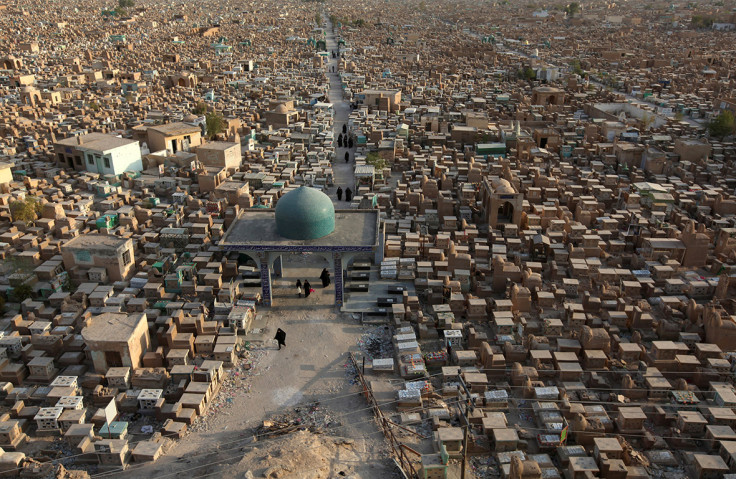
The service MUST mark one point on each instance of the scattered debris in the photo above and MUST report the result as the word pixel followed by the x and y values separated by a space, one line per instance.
pixel 376 343
pixel 237 382
pixel 313 417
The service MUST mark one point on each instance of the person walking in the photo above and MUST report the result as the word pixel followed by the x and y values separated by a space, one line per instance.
pixel 344 128
pixel 325 277
pixel 299 287
pixel 347 156
pixel 307 288
pixel 280 337
pixel 339 193
pixel 348 194
pixel 350 142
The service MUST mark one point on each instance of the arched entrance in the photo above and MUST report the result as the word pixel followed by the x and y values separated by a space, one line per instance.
pixel 245 259
pixel 279 268
pixel 288 267
pixel 505 213
pixel 303 225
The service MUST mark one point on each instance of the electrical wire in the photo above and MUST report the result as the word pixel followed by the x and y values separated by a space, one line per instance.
pixel 268 441
pixel 425 378
pixel 333 398
pixel 336 416
pixel 599 434
pixel 419 408
pixel 455 402
pixel 669 406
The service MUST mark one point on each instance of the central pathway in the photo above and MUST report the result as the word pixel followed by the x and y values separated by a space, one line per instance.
pixel 343 173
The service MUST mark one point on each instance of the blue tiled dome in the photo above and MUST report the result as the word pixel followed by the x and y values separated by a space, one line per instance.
pixel 304 214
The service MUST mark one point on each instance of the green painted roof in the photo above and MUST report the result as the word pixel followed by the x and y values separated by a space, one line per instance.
pixel 116 428
pixel 304 214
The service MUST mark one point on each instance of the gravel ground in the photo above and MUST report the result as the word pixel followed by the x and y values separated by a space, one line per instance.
pixel 313 368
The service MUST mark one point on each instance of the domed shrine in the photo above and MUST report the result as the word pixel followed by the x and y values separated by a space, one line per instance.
pixel 304 220
pixel 305 214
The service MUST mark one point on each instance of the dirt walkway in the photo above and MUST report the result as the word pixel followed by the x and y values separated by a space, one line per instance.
pixel 343 172
pixel 311 368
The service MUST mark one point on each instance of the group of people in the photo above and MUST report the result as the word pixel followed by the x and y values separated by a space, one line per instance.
pixel 344 141
pixel 326 281
pixel 307 288
pixel 348 194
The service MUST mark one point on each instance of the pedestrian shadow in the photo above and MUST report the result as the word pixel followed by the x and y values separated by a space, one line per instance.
pixel 335 369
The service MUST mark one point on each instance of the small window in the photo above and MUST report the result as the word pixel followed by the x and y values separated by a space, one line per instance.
pixel 90 160
pixel 126 258
pixel 78 160
pixel 107 162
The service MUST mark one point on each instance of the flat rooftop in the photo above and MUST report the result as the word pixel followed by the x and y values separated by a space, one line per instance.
pixel 95 240
pixel 256 227
pixel 177 128
pixel 217 145
pixel 112 326
pixel 96 141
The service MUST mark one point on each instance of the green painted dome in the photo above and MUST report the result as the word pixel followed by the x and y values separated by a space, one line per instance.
pixel 304 214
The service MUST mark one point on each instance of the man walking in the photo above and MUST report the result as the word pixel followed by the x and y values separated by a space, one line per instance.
pixel 348 194
pixel 339 193
pixel 280 337
pixel 347 156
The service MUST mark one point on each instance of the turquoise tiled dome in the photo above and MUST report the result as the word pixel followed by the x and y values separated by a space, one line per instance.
pixel 304 214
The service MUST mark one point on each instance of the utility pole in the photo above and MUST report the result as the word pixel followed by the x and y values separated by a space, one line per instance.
pixel 468 408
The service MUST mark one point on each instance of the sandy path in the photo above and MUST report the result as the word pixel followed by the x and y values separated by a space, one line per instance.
pixel 311 368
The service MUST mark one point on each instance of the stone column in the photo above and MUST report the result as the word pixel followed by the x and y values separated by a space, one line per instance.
pixel 265 280
pixel 337 257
